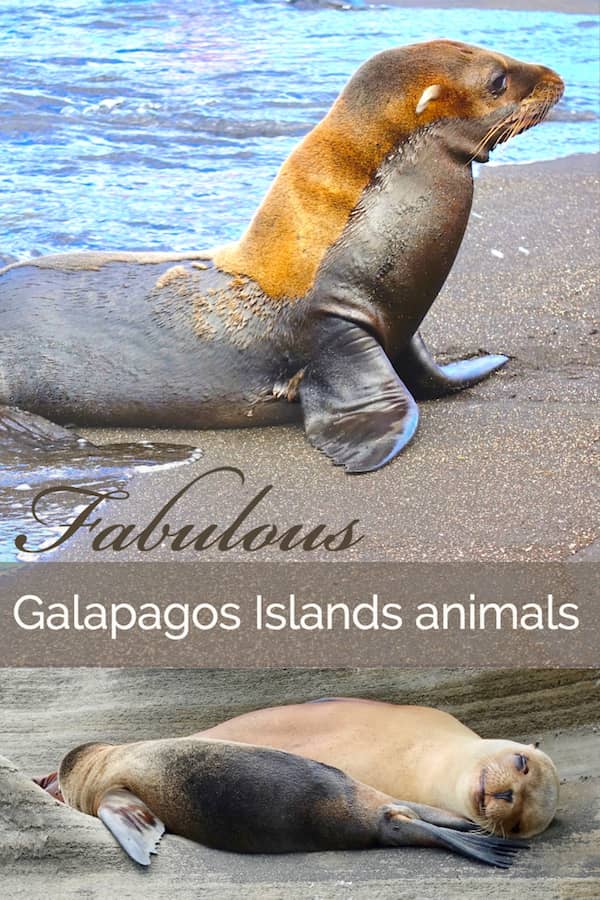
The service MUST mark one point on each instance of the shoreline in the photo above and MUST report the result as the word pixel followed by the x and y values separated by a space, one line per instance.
pixel 575 163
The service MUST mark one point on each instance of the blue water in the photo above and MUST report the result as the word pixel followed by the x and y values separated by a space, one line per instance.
pixel 142 124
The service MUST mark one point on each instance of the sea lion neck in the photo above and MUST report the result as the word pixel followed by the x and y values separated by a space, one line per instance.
pixel 309 203
pixel 446 771
pixel 420 195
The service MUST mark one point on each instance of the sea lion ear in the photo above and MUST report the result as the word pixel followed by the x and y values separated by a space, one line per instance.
pixel 535 745
pixel 430 93
pixel 135 827
pixel 356 409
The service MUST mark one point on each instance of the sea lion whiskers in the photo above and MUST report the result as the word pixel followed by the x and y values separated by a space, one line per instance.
pixel 532 110
pixel 487 825
pixel 494 774
pixel 489 138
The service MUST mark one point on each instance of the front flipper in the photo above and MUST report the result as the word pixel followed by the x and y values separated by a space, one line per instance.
pixel 136 828
pixel 398 830
pixel 436 816
pixel 417 367
pixel 356 409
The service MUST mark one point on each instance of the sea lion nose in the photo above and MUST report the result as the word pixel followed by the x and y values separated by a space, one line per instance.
pixel 504 795
pixel 549 76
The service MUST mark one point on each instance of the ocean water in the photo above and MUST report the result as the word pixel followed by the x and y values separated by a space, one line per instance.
pixel 137 124
pixel 145 124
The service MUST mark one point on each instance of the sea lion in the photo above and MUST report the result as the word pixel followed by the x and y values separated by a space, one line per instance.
pixel 319 301
pixel 421 754
pixel 249 799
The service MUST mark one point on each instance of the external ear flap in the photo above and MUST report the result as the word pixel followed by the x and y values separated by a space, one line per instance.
pixel 356 409
pixel 136 828
pixel 535 745
pixel 430 93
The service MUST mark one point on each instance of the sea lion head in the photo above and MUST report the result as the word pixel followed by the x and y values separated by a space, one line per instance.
pixel 410 87
pixel 79 774
pixel 513 789
pixel 475 98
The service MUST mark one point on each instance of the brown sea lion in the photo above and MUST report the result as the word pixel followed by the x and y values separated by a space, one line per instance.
pixel 322 297
pixel 421 754
pixel 249 799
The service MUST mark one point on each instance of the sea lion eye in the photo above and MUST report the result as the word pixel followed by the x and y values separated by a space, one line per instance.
pixel 498 84
pixel 521 763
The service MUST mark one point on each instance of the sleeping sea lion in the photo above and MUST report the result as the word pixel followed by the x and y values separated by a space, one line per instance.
pixel 319 301
pixel 249 799
pixel 421 754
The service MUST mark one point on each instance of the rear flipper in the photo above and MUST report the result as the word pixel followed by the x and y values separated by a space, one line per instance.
pixel 35 451
pixel 427 381
pixel 398 830
pixel 18 428
pixel 356 409
pixel 135 827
